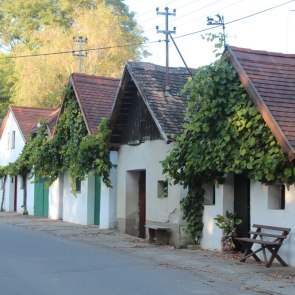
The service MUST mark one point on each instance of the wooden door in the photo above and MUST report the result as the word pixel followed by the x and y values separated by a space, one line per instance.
pixel 242 204
pixel 41 199
pixel 97 200
pixel 142 204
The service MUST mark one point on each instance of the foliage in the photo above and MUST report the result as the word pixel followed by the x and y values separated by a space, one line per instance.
pixel 227 223
pixel 71 150
pixel 6 82
pixel 44 26
pixel 192 206
pixel 224 134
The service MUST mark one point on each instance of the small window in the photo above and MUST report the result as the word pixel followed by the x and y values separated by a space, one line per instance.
pixel 209 194
pixel 162 188
pixel 276 197
pixel 12 140
pixel 78 185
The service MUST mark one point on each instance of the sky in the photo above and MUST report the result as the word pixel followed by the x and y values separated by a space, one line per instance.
pixel 273 30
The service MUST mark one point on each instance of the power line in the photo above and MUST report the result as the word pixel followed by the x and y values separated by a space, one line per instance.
pixel 144 43
pixel 83 50
pixel 233 21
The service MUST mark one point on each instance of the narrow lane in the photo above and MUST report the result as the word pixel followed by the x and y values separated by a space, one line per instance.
pixel 35 263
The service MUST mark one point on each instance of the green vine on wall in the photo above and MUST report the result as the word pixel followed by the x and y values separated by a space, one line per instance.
pixel 224 134
pixel 71 149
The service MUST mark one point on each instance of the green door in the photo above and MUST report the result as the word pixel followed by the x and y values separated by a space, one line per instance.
pixel 40 199
pixel 97 200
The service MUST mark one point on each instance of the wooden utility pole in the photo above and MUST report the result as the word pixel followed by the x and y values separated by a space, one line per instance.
pixel 167 33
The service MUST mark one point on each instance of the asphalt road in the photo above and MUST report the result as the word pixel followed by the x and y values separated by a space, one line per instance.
pixel 36 263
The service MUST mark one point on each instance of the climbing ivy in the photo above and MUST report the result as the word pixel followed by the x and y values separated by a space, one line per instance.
pixel 224 134
pixel 71 150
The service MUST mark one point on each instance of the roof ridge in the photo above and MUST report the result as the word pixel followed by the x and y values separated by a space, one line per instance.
pixel 33 108
pixel 95 76
pixel 262 52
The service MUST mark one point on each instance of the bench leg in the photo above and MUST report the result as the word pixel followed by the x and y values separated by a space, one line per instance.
pixel 248 253
pixel 274 252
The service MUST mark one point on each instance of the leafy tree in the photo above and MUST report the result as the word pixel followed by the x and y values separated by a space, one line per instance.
pixel 44 26
pixel 6 82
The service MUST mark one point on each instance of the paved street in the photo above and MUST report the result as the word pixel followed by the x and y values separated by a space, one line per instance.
pixel 41 256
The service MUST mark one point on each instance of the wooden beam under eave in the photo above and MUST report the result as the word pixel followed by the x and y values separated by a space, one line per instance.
pixel 262 107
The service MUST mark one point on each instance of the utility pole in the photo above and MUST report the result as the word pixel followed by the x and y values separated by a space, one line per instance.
pixel 80 53
pixel 218 22
pixel 167 33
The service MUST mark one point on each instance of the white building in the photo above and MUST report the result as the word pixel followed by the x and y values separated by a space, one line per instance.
pixel 269 79
pixel 144 117
pixel 14 133
pixel 94 202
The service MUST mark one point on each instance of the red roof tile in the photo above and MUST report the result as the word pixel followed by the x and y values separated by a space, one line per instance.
pixel 167 110
pixel 269 79
pixel 27 118
pixel 95 96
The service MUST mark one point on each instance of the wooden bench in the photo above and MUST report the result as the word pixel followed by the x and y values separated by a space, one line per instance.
pixel 158 234
pixel 268 237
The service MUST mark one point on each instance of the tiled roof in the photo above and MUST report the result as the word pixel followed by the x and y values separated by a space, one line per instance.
pixel 269 79
pixel 95 96
pixel 27 118
pixel 167 110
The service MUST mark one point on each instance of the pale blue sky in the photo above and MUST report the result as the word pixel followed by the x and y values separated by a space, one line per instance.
pixel 273 30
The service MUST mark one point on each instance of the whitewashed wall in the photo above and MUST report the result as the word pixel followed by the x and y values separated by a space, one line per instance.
pixel 259 213
pixel 146 156
pixel 80 209
pixel 108 197
pixel 224 200
pixel 77 209
pixel 55 199
pixel 8 155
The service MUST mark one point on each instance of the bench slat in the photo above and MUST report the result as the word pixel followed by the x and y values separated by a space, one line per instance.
pixel 254 241
pixel 272 227
pixel 268 235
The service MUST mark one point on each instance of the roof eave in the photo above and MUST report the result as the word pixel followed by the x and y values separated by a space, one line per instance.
pixel 262 107
pixel 72 83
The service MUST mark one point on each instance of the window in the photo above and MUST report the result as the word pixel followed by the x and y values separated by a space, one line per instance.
pixel 276 197
pixel 162 188
pixel 209 194
pixel 12 140
pixel 78 185
pixel 1 183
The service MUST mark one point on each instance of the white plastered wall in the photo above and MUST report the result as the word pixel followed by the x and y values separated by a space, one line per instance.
pixel 147 156
pixel 8 155
pixel 261 214
pixel 80 208
pixel 224 200
pixel 108 197
pixel 55 198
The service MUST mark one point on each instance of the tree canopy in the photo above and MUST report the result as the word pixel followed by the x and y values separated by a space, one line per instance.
pixel 48 26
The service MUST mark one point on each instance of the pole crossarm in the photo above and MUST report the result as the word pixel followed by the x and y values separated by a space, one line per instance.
pixel 79 52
